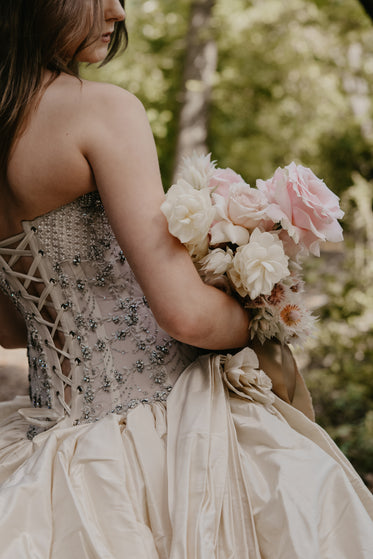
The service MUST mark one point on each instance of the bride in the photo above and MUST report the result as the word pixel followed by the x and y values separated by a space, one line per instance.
pixel 133 444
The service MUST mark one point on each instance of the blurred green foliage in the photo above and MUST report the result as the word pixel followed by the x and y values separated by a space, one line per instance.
pixel 294 82
pixel 290 77
pixel 340 367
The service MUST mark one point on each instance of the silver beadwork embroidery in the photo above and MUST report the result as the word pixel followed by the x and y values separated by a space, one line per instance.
pixel 101 342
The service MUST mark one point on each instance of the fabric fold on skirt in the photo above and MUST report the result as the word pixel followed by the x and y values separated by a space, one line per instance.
pixel 214 473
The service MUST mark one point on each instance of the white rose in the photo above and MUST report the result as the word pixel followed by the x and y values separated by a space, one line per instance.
pixel 226 232
pixel 258 265
pixel 247 206
pixel 189 212
pixel 216 262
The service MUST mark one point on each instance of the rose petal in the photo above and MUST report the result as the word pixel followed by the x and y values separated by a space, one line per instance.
pixel 226 232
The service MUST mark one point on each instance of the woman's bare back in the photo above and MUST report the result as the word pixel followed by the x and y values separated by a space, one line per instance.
pixel 46 170
pixel 47 167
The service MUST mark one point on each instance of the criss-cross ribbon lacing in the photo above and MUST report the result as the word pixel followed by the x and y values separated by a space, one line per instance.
pixel 25 246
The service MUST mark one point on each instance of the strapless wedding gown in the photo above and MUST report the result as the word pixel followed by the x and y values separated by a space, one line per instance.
pixel 135 446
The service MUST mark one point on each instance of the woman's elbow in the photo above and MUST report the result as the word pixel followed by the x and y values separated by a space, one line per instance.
pixel 186 327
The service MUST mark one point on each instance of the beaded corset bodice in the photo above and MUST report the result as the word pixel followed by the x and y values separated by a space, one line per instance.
pixel 94 346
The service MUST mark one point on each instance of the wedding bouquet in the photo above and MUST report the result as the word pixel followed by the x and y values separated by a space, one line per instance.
pixel 250 241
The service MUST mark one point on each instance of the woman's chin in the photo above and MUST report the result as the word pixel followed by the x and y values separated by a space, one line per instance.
pixel 94 56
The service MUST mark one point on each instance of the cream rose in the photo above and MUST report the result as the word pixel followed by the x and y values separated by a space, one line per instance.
pixel 258 265
pixel 227 232
pixel 189 213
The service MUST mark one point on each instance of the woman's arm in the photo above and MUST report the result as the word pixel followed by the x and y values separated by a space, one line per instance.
pixel 119 146
pixel 13 332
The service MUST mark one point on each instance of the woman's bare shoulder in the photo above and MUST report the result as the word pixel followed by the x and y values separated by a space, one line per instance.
pixel 110 102
pixel 69 95
pixel 111 119
pixel 95 109
pixel 104 90
pixel 49 165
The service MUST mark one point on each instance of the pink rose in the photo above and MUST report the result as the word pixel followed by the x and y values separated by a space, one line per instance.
pixel 247 206
pixel 304 206
pixel 222 179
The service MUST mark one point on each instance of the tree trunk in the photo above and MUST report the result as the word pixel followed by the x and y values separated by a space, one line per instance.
pixel 199 69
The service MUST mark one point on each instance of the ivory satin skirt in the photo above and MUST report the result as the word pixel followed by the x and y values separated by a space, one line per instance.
pixel 223 470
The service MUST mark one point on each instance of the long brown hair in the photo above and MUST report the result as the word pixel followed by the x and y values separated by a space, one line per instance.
pixel 36 35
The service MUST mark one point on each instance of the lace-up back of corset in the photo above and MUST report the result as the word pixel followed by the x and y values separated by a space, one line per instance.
pixel 94 346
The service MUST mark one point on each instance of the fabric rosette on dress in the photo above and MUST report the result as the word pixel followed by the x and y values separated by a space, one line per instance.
pixel 241 375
